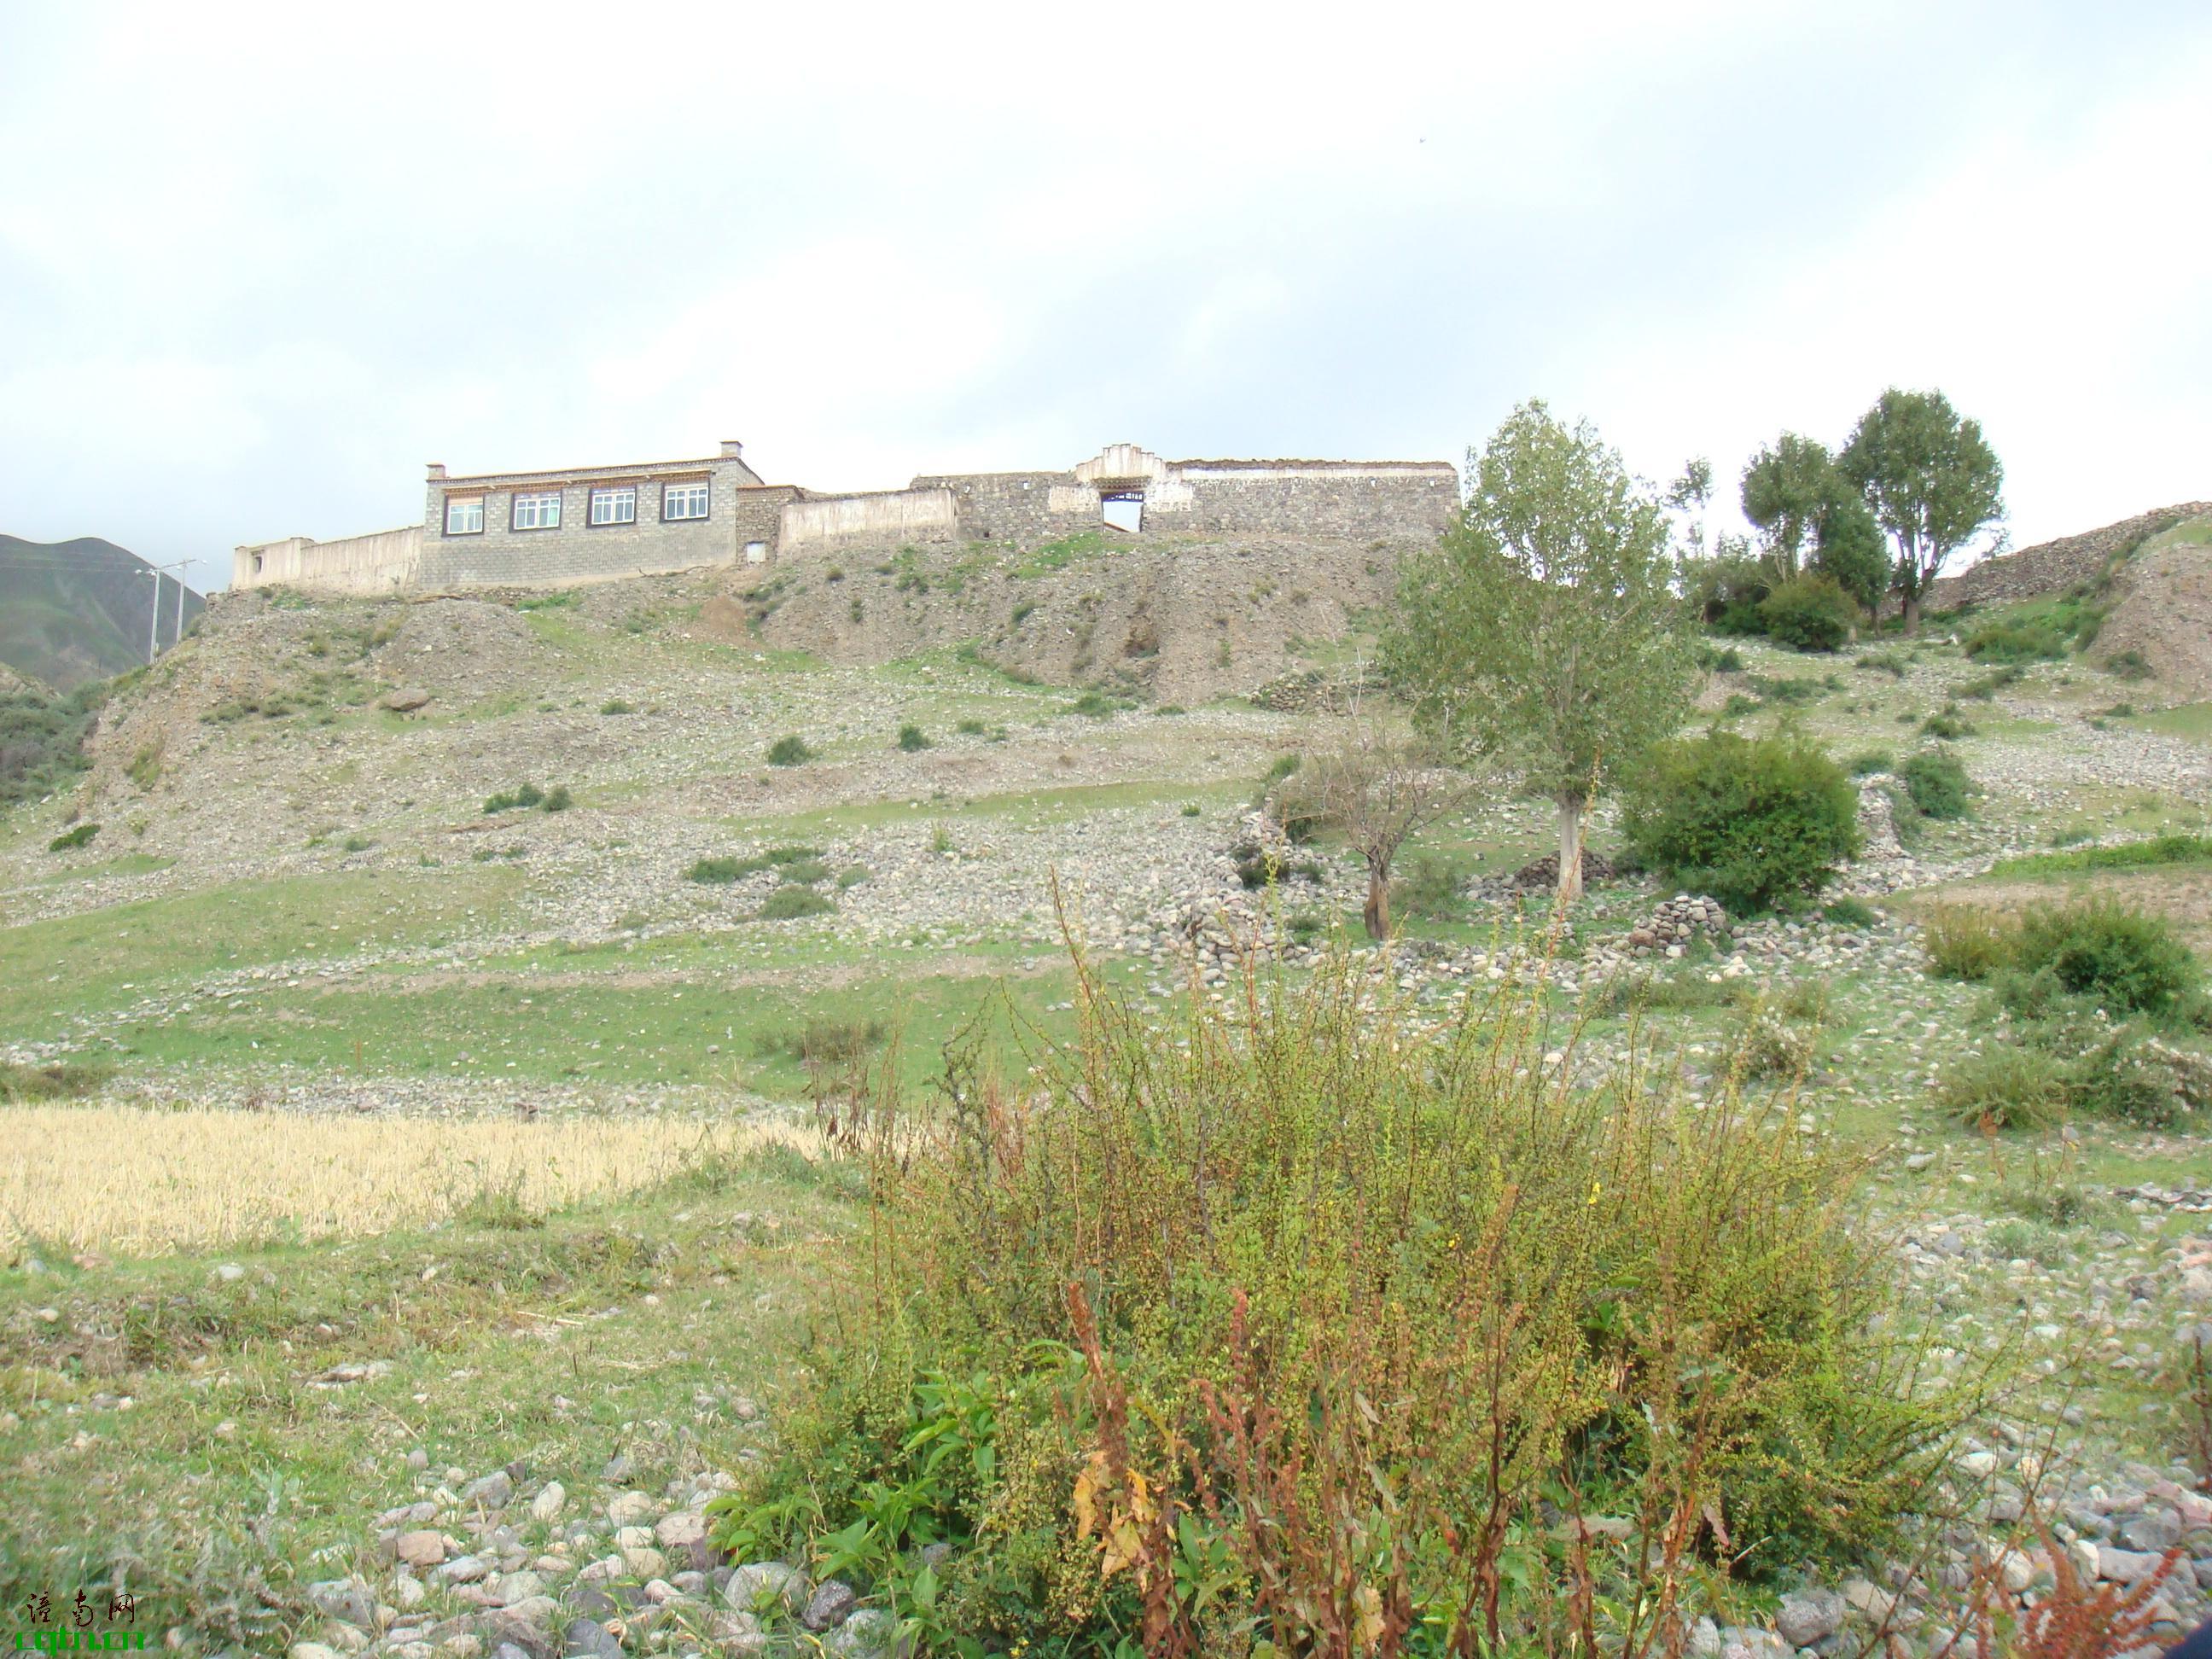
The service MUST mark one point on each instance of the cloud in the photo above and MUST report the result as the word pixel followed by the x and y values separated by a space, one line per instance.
pixel 257 266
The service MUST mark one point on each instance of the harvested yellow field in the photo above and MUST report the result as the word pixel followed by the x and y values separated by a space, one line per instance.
pixel 146 1182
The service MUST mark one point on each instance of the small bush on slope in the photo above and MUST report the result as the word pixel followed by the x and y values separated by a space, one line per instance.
pixel 1141 1340
pixel 1758 824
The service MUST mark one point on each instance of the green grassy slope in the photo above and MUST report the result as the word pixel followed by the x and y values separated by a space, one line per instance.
pixel 78 611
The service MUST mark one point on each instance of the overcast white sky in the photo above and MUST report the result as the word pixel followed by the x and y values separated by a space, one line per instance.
pixel 258 265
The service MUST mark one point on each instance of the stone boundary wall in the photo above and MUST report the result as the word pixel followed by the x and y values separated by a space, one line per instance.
pixel 383 562
pixel 889 516
pixel 1029 508
pixel 1390 503
pixel 2053 567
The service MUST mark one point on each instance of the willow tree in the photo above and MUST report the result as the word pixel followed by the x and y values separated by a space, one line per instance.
pixel 1543 633
pixel 1932 480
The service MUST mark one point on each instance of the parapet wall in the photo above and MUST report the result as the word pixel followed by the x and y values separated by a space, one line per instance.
pixel 384 561
pixel 1373 501
pixel 890 515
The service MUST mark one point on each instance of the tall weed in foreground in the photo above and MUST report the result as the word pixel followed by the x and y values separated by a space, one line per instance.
pixel 1295 1330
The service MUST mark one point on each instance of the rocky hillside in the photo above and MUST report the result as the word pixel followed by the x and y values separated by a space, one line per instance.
pixel 1175 620
pixel 2162 609
pixel 2054 566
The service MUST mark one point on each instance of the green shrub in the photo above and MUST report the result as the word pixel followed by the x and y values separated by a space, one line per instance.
pixel 1051 1329
pixel 1096 705
pixel 789 751
pixel 824 1038
pixel 2005 1087
pixel 783 860
pixel 42 741
pixel 1755 824
pixel 2130 961
pixel 2013 640
pixel 69 840
pixel 1867 762
pixel 1936 784
pixel 1727 661
pixel 1848 912
pixel 616 705
pixel 1190 809
pixel 1964 941
pixel 969 728
pixel 1984 687
pixel 529 794
pixel 805 872
pixel 788 903
pixel 2132 1076
pixel 1786 689
pixel 1768 1046
pixel 60 1079
pixel 1811 613
pixel 2124 855
pixel 558 799
pixel 852 875
pixel 1946 724
pixel 911 738
pixel 1429 885
pixel 1891 663
pixel 2129 665
pixel 1728 594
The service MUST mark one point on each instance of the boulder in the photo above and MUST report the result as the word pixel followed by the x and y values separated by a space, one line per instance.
pixel 424 1547
pixel 833 1600
pixel 403 699
pixel 1809 1616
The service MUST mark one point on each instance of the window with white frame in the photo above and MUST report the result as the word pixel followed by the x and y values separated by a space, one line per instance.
pixel 464 515
pixel 687 500
pixel 538 509
pixel 615 505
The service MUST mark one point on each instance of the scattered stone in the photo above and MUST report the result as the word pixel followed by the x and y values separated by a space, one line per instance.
pixel 751 1584
pixel 423 1547
pixel 493 1491
pixel 832 1601
pixel 869 1633
pixel 405 700
pixel 1809 1616
pixel 627 1509
pixel 545 1508
pixel 346 1599
pixel 586 1638
pixel 681 1530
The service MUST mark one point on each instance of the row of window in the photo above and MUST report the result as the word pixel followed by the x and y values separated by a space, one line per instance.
pixel 540 509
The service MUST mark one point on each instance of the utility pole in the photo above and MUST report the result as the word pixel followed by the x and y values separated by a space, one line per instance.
pixel 154 617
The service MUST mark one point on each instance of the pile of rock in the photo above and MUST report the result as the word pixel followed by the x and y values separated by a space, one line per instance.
pixel 1676 922
pixel 1544 873
pixel 501 1567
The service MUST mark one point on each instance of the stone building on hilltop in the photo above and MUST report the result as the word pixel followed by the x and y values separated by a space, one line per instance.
pixel 588 524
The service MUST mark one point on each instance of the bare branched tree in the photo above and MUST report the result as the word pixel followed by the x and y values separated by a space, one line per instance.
pixel 1379 787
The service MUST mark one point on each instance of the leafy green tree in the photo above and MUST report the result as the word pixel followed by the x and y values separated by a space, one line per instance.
pixel 1787 487
pixel 1543 631
pixel 1851 551
pixel 1932 480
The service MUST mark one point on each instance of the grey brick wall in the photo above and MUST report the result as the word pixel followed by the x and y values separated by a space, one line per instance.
pixel 738 510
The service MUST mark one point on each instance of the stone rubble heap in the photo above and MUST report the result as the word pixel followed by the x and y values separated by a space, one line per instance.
pixel 1676 922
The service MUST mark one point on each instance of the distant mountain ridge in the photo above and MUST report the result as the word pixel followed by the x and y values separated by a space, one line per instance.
pixel 83 609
